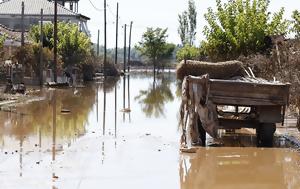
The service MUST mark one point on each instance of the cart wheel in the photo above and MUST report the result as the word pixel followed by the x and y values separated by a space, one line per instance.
pixel 265 134
pixel 202 133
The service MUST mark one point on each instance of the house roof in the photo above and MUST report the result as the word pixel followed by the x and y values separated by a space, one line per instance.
pixel 10 33
pixel 33 7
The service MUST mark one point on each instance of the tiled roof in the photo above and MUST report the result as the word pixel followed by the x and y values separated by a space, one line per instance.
pixel 33 7
pixel 11 34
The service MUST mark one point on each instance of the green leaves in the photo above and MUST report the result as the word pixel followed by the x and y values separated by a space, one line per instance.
pixel 240 27
pixel 188 53
pixel 2 39
pixel 187 24
pixel 73 46
pixel 153 43
pixel 296 23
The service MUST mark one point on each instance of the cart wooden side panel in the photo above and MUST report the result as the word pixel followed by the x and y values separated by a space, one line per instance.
pixel 231 92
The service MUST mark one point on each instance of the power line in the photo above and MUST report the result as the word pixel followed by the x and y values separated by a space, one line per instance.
pixel 97 9
pixel 111 12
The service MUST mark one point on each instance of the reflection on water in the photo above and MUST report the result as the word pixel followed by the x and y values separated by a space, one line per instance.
pixel 40 118
pixel 153 99
pixel 240 168
pixel 92 145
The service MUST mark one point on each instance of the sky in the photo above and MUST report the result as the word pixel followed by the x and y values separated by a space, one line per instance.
pixel 153 13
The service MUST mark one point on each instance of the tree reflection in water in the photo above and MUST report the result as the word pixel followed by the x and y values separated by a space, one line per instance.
pixel 154 99
pixel 36 117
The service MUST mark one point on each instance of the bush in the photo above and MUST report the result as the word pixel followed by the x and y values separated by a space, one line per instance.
pixel 240 27
pixel 188 53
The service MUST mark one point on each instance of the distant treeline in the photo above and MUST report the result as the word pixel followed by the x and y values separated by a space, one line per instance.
pixel 134 54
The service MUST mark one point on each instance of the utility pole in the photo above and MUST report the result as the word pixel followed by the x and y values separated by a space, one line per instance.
pixel 125 48
pixel 104 62
pixel 55 42
pixel 41 49
pixel 22 26
pixel 117 27
pixel 129 47
pixel 98 43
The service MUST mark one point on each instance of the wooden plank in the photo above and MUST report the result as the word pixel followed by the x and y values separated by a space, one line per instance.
pixel 245 93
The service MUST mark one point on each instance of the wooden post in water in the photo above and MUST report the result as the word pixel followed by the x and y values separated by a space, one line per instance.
pixel 104 62
pixel 41 49
pixel 55 42
pixel 98 39
pixel 129 47
pixel 125 48
pixel 22 25
pixel 117 29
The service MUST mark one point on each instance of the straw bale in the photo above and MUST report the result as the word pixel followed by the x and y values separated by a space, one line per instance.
pixel 220 70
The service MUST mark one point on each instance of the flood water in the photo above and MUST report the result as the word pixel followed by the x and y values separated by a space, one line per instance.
pixel 87 138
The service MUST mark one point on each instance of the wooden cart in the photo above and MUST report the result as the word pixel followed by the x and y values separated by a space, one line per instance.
pixel 267 103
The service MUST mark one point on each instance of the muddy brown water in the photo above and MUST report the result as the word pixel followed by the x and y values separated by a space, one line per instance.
pixel 93 144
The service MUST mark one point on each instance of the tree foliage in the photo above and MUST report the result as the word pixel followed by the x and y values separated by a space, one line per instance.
pixel 154 45
pixel 34 34
pixel 296 23
pixel 73 45
pixel 240 27
pixel 183 28
pixel 188 53
pixel 192 15
pixel 30 56
pixel 187 24
pixel 2 39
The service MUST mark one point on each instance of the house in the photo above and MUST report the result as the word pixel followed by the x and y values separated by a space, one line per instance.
pixel 11 17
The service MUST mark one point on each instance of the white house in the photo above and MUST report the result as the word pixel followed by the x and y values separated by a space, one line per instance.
pixel 10 13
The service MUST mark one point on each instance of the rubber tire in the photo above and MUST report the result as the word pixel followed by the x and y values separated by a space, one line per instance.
pixel 265 134
pixel 202 132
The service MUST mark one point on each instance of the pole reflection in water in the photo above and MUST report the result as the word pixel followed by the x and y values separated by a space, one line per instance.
pixel 21 150
pixel 97 103
pixel 21 155
pixel 53 131
pixel 124 96
pixel 104 104
pixel 116 104
pixel 104 116
pixel 128 93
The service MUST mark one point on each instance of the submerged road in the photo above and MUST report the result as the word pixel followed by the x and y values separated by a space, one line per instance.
pixel 96 145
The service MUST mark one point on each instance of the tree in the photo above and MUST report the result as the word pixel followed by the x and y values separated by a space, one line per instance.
pixel 30 56
pixel 73 45
pixel 183 29
pixel 192 15
pixel 166 55
pixel 188 53
pixel 154 45
pixel 187 24
pixel 34 34
pixel 296 23
pixel 240 27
